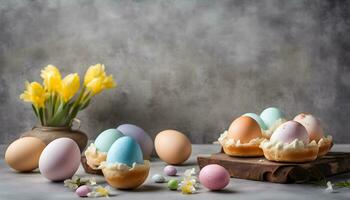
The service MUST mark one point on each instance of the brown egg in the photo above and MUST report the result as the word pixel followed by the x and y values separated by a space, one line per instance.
pixel 172 147
pixel 244 129
pixel 23 154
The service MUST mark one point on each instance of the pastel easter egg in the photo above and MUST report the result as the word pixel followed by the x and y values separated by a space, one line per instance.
pixel 173 184
pixel 170 170
pixel 60 159
pixel 142 138
pixel 289 131
pixel 312 125
pixel 271 115
pixel 23 154
pixel 105 139
pixel 258 119
pixel 83 191
pixel 125 150
pixel 214 177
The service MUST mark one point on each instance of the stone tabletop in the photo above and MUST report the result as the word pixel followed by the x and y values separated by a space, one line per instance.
pixel 15 185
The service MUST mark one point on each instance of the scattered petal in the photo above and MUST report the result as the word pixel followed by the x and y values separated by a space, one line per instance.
pixel 189 183
pixel 330 188
pixel 100 191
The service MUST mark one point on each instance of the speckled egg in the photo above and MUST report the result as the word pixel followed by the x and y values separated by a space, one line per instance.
pixel 125 150
pixel 214 177
pixel 173 147
pixel 23 154
pixel 258 119
pixel 289 131
pixel 244 129
pixel 271 115
pixel 158 178
pixel 60 159
pixel 170 170
pixel 105 139
pixel 142 138
pixel 312 125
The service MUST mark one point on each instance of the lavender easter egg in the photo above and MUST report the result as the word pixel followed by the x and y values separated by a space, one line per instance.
pixel 214 177
pixel 83 191
pixel 289 131
pixel 170 170
pixel 60 159
pixel 141 137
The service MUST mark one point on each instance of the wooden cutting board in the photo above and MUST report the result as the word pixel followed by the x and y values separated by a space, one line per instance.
pixel 260 169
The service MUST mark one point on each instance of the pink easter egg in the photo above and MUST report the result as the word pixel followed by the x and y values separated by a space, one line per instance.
pixel 60 159
pixel 83 191
pixel 214 177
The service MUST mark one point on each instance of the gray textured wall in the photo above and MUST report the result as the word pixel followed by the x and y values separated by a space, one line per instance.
pixel 187 65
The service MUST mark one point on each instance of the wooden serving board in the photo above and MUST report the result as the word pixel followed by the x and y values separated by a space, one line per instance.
pixel 260 169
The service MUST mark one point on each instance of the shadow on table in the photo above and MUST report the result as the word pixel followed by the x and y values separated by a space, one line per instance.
pixel 223 191
pixel 147 188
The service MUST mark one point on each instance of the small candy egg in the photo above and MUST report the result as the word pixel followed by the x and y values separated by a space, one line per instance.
pixel 271 115
pixel 173 147
pixel 23 154
pixel 214 177
pixel 141 137
pixel 125 150
pixel 244 129
pixel 60 159
pixel 312 125
pixel 105 139
pixel 289 131
pixel 157 178
pixel 173 184
pixel 170 170
pixel 83 191
pixel 258 119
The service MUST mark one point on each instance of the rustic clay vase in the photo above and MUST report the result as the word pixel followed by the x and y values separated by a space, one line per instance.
pixel 48 134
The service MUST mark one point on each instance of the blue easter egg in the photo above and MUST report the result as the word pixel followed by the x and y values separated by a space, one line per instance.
pixel 125 150
pixel 105 139
pixel 271 115
pixel 258 119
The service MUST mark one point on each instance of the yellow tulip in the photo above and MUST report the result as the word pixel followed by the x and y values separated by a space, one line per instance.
pixel 95 86
pixel 69 86
pixel 93 72
pixel 34 94
pixel 52 78
pixel 96 80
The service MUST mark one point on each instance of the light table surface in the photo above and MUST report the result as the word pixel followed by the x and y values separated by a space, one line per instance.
pixel 20 186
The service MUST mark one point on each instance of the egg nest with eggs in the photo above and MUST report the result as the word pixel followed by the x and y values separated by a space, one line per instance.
pixel 290 142
pixel 242 138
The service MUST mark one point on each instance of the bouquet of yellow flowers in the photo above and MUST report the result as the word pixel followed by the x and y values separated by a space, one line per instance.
pixel 57 102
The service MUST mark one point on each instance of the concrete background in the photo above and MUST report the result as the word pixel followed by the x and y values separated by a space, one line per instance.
pixel 187 65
